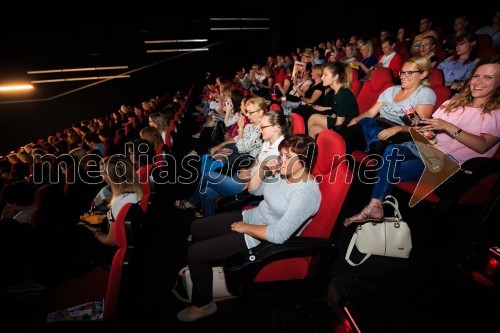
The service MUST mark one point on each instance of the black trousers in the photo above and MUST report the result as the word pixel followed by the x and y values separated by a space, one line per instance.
pixel 213 241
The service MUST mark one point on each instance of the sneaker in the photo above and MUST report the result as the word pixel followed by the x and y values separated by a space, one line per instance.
pixel 196 136
pixel 198 214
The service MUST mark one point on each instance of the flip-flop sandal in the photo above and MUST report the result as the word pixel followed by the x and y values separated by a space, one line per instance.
pixel 184 205
pixel 363 217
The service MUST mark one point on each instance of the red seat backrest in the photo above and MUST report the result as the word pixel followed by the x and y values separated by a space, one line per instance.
pixel 436 77
pixel 334 178
pixel 127 225
pixel 381 80
pixel 299 126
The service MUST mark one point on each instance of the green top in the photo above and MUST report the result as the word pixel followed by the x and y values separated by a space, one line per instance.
pixel 345 105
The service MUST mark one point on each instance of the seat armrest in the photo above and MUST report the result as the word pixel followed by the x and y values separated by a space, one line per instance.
pixel 242 267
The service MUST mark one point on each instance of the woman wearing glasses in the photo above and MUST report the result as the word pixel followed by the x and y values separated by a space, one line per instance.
pixel 457 69
pixel 467 126
pixel 291 196
pixel 247 141
pixel 384 122
pixel 274 127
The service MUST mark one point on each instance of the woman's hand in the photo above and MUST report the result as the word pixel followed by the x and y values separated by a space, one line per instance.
pixel 321 108
pixel 241 123
pixel 272 165
pixel 436 124
pixel 93 229
pixel 239 227
pixel 214 149
pixel 353 121
pixel 388 132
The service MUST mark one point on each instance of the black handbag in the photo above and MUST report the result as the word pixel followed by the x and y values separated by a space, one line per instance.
pixel 218 132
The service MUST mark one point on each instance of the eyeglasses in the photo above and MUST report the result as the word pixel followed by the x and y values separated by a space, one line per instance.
pixel 262 127
pixel 250 112
pixel 408 73
pixel 463 42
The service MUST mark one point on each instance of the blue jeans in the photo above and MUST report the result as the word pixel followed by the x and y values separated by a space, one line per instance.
pixel 209 164
pixel 211 186
pixel 402 165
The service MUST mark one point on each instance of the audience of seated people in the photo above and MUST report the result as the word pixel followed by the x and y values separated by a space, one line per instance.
pixel 343 106
pixel 291 196
pixel 466 126
pixel 425 28
pixel 337 108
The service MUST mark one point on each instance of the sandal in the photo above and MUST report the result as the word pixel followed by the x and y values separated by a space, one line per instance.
pixel 364 216
pixel 184 205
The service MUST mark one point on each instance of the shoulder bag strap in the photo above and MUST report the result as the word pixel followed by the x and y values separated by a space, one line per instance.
pixel 349 251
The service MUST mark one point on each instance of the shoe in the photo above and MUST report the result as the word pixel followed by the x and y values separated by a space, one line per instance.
pixel 185 317
pixel 198 214
pixel 26 286
pixel 196 136
pixel 184 205
pixel 365 216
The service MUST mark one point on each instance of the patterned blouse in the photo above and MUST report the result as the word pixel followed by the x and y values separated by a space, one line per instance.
pixel 251 143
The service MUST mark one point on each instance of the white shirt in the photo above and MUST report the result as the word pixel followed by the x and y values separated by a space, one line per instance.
pixel 386 60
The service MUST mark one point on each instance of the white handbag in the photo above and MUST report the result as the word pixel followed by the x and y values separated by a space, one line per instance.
pixel 219 290
pixel 391 238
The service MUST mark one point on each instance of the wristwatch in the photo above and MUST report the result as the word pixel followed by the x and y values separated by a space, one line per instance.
pixel 456 133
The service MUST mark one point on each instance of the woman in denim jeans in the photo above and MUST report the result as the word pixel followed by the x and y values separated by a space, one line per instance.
pixel 466 126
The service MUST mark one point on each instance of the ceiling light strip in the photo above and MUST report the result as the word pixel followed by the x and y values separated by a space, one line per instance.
pixel 240 28
pixel 225 19
pixel 16 87
pixel 175 41
pixel 255 19
pixel 239 19
pixel 255 28
pixel 71 79
pixel 176 50
pixel 77 69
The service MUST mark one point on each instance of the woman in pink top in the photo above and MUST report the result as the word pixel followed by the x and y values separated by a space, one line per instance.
pixel 466 126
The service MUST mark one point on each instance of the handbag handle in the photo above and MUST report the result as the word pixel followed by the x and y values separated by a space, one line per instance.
pixel 397 215
pixel 349 250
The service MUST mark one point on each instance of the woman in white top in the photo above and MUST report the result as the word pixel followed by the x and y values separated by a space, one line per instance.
pixel 118 172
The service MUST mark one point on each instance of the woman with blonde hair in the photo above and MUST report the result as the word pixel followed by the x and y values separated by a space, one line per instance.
pixel 118 172
pixel 384 122
pixel 152 135
pixel 160 122
pixel 467 126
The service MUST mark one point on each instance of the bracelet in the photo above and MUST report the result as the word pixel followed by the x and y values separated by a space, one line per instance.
pixel 240 129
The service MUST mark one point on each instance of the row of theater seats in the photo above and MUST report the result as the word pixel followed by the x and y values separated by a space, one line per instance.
pixel 135 226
